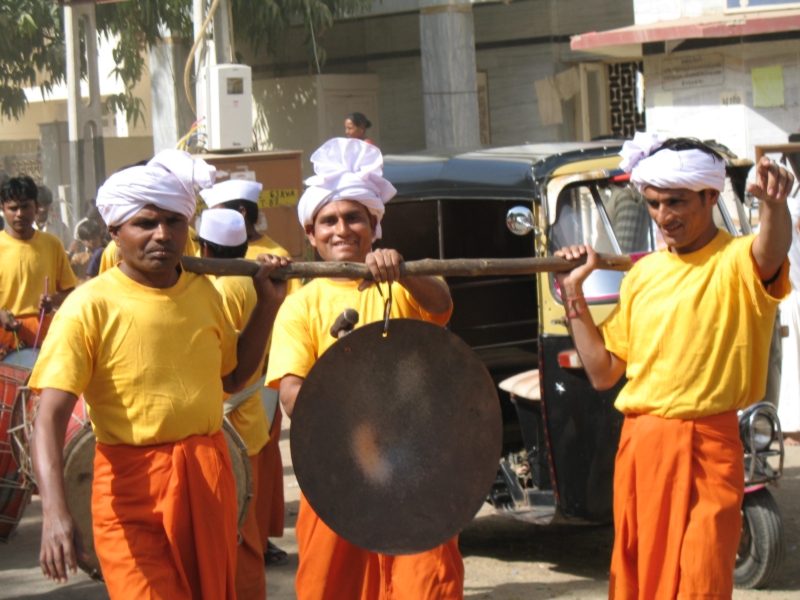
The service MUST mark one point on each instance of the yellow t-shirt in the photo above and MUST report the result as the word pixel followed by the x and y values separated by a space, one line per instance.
pixel 695 330
pixel 267 245
pixel 302 328
pixel 23 267
pixel 149 362
pixel 110 257
pixel 249 419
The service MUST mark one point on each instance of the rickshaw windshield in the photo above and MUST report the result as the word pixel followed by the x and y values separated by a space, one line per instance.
pixel 613 218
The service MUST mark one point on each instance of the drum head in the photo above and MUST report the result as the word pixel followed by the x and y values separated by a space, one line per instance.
pixel 23 357
pixel 78 478
pixel 242 472
pixel 396 440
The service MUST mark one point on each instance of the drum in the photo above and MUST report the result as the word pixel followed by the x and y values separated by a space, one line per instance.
pixel 23 415
pixel 15 490
pixel 79 474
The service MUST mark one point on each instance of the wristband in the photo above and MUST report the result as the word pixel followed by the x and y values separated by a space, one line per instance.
pixel 572 311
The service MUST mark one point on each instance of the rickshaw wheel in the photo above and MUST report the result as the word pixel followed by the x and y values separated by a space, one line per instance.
pixel 762 546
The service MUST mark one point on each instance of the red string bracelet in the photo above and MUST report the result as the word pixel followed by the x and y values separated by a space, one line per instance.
pixel 572 311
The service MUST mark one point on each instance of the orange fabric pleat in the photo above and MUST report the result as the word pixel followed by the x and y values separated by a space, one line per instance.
pixel 26 334
pixel 165 519
pixel 334 569
pixel 270 507
pixel 678 490
pixel 251 582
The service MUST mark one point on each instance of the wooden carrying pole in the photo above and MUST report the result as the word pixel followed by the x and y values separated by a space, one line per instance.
pixel 457 267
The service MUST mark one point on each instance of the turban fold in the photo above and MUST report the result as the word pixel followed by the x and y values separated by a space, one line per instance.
pixel 168 181
pixel 346 169
pixel 223 226
pixel 670 169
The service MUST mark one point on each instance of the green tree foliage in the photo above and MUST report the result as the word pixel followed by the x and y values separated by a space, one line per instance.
pixel 32 50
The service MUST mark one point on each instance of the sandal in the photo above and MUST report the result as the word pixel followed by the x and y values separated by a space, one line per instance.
pixel 274 556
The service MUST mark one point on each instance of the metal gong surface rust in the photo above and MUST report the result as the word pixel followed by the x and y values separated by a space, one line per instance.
pixel 395 440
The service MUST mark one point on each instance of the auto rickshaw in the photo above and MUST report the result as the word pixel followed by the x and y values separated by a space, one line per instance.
pixel 560 434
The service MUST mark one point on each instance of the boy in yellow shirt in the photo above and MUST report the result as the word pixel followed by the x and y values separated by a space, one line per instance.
pixel 222 235
pixel 692 333
pixel 242 196
pixel 341 214
pixel 29 257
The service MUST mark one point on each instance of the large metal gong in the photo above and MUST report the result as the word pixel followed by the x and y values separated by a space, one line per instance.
pixel 396 439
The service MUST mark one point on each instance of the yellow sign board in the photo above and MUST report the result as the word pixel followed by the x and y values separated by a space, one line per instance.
pixel 273 198
pixel 267 199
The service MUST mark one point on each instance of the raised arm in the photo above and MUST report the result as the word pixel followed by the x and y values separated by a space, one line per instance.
pixel 62 542
pixel 431 293
pixel 772 187
pixel 253 338
pixel 602 367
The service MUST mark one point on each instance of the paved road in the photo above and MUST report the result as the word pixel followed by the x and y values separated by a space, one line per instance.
pixel 505 559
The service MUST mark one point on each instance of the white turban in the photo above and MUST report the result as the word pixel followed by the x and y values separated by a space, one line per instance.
pixel 670 169
pixel 223 226
pixel 168 181
pixel 346 169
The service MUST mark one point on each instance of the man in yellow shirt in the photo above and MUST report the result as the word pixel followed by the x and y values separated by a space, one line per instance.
pixel 242 196
pixel 692 333
pixel 151 350
pixel 29 257
pixel 223 235
pixel 341 214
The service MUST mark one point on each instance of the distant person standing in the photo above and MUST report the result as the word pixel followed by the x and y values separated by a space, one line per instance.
pixel 91 236
pixel 789 404
pixel 46 220
pixel 355 127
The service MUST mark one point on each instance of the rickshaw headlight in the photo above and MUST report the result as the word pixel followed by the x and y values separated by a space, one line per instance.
pixel 764 432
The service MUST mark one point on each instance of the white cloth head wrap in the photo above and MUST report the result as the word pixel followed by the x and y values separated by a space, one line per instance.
pixel 223 226
pixel 233 189
pixel 168 181
pixel 669 169
pixel 346 169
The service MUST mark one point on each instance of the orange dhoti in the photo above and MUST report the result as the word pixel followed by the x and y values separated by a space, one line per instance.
pixel 678 490
pixel 26 334
pixel 334 569
pixel 270 506
pixel 165 519
pixel 251 583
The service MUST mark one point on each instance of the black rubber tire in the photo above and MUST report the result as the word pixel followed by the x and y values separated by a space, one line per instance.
pixel 762 546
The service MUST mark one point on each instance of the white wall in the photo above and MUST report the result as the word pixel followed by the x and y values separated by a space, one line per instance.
pixel 650 11
pixel 698 112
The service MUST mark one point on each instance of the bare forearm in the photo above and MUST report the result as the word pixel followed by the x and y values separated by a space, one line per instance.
pixel 432 294
pixel 251 346
pixel 774 238
pixel 602 367
pixel 290 388
pixel 48 445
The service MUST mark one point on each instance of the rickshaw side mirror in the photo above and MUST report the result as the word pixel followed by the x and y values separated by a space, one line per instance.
pixel 520 221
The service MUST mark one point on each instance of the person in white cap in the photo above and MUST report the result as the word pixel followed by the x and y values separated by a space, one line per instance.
pixel 242 196
pixel 222 234
pixel 341 211
pixel 151 350
pixel 692 334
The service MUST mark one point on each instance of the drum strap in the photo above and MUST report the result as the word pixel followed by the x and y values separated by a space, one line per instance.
pixel 238 398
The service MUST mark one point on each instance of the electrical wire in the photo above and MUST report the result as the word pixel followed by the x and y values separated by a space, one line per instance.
pixel 188 70
pixel 313 40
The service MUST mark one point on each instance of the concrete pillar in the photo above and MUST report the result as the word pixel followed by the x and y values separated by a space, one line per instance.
pixel 172 114
pixel 449 84
pixel 85 119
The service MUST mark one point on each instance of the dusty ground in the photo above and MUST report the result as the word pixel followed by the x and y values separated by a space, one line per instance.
pixel 505 559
